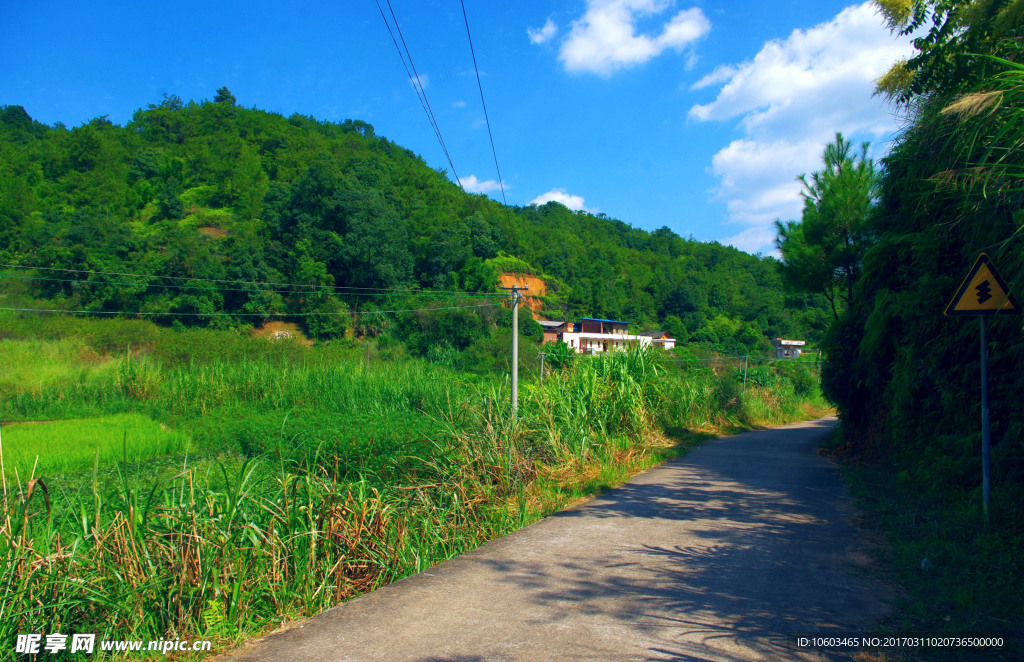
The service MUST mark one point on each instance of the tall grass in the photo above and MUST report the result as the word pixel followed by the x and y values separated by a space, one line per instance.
pixel 341 387
pixel 198 388
pixel 184 560
pixel 356 477
pixel 33 365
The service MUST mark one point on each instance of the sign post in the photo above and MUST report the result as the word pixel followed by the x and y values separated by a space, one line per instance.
pixel 985 419
pixel 984 293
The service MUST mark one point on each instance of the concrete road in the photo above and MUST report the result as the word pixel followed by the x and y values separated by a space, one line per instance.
pixel 714 556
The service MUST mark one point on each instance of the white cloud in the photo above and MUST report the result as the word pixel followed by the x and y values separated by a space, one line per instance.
pixel 721 73
pixel 790 99
pixel 604 39
pixel 424 80
pixel 754 240
pixel 459 104
pixel 542 34
pixel 574 202
pixel 473 185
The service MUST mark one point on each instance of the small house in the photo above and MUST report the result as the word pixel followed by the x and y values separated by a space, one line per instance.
pixel 553 329
pixel 787 349
pixel 660 339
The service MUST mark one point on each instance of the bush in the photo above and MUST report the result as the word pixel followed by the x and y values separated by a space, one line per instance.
pixel 426 329
pixel 330 321
pixel 510 264
pixel 559 355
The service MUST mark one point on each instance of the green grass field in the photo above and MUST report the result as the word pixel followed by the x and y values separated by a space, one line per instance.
pixel 58 447
pixel 310 477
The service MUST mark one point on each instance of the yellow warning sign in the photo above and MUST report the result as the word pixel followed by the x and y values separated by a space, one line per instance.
pixel 983 292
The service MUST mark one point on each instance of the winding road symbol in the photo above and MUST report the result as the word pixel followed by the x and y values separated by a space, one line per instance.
pixel 984 292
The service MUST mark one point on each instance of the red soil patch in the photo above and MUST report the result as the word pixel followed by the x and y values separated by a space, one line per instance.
pixel 282 331
pixel 536 286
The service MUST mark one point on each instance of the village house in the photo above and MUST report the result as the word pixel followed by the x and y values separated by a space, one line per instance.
pixel 660 339
pixel 787 349
pixel 595 336
pixel 554 330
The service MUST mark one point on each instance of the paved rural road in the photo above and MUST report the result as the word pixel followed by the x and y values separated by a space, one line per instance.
pixel 714 556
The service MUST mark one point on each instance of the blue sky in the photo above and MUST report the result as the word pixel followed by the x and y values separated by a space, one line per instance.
pixel 696 116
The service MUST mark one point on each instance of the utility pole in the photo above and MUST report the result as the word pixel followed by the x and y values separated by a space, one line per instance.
pixel 515 347
pixel 542 355
pixel 515 352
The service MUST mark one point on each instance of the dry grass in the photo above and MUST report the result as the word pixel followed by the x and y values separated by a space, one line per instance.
pixel 975 103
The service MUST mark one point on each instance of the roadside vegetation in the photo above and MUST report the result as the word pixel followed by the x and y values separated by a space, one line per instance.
pixel 957 576
pixel 231 494
pixel 889 244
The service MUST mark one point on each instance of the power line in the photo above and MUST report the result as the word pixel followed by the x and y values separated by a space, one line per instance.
pixel 414 81
pixel 222 314
pixel 417 83
pixel 425 293
pixel 487 119
pixel 752 359
pixel 341 289
pixel 483 103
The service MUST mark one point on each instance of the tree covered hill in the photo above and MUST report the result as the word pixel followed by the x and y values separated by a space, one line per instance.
pixel 197 192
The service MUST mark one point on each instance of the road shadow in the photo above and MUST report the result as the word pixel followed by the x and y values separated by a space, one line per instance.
pixel 751 543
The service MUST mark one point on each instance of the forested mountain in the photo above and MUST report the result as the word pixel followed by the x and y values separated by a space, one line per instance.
pixel 191 193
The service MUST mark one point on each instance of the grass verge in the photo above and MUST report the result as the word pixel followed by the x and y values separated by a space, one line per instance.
pixel 957 576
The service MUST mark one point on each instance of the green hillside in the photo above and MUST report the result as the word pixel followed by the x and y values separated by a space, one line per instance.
pixel 199 192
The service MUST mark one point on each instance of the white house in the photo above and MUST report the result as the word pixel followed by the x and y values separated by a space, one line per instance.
pixel 595 336
pixel 660 339
pixel 787 349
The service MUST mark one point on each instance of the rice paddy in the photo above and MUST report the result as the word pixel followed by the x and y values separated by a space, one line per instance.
pixel 58 447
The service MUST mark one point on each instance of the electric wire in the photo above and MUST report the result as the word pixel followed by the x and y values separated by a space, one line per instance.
pixel 265 314
pixel 340 289
pixel 487 120
pixel 414 82
pixel 751 359
pixel 417 83
pixel 423 293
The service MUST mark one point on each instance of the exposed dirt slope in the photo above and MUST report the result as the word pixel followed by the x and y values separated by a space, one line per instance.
pixel 536 287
